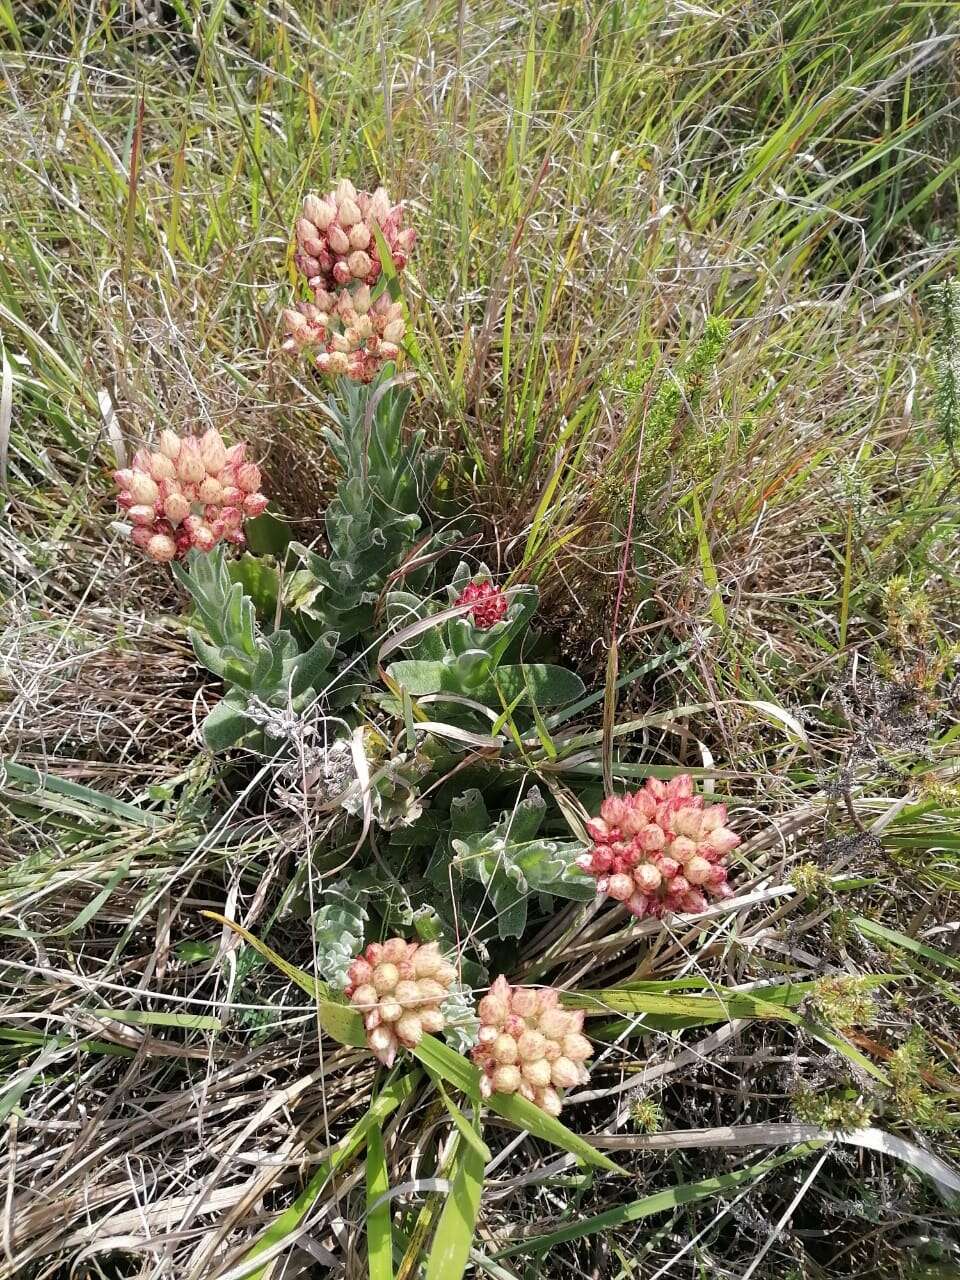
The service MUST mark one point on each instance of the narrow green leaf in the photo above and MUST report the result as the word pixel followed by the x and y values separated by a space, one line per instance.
pixel 661 1202
pixel 871 929
pixel 450 1250
pixel 387 1101
pixel 379 1226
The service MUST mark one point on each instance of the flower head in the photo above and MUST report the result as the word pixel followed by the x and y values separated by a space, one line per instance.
pixel 528 1045
pixel 191 493
pixel 398 987
pixel 336 243
pixel 338 252
pixel 348 333
pixel 489 603
pixel 660 849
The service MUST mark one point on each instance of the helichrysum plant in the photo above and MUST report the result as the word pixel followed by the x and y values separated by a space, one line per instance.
pixel 660 849
pixel 528 1045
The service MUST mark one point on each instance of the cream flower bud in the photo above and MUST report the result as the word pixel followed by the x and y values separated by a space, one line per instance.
pixel 212 451
pixel 359 235
pixel 620 887
pixel 537 1073
pixel 390 1009
pixel 647 877
pixel 161 548
pixel 383 1043
pixel 349 212
pixel 698 870
pixel 432 1021
pixel 142 514
pixel 359 264
pixel 209 490
pixel 549 1101
pixel 338 239
pixel 564 1074
pixel 409 1029
pixel 492 1010
pixel 427 961
pixel 407 992
pixel 365 995
pixel 169 444
pixel 385 977
pixel 393 331
pixel 176 507
pixel 143 488
pixel 161 467
pixel 524 1002
pixel 504 1050
pixel 530 1046
pixel 345 191
pixel 506 1079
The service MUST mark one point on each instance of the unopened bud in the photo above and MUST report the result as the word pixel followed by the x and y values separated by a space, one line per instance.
pixel 176 507
pixel 248 477
pixel 212 451
pixel 254 504
pixel 169 444
pixel 359 264
pixel 161 548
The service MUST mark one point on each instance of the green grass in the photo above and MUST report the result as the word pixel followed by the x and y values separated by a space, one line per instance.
pixel 593 187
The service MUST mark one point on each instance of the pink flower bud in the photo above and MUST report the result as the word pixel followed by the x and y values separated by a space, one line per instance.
pixel 248 477
pixel 365 995
pixel 204 539
pixel 161 548
pixel 232 518
pixel 142 515
pixel 254 504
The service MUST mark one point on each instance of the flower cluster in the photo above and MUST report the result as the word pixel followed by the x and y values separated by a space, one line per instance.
pixel 528 1045
pixel 660 849
pixel 489 603
pixel 338 253
pixel 335 240
pixel 190 493
pixel 399 987
pixel 353 335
